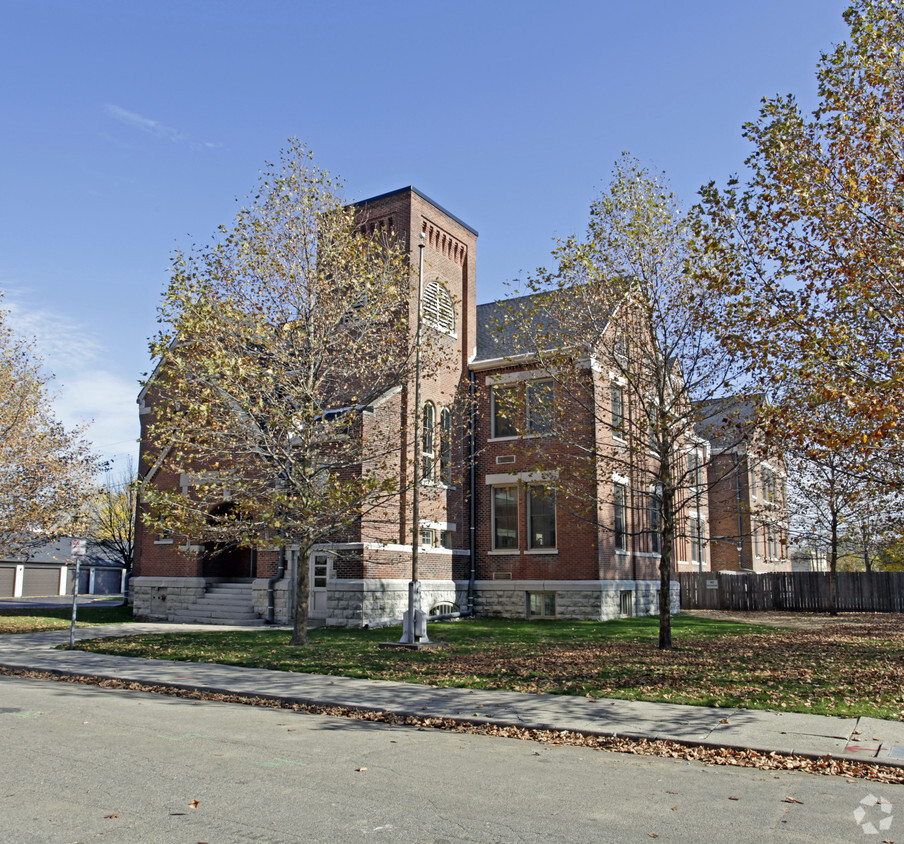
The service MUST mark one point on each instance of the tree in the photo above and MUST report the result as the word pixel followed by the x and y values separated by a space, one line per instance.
pixel 809 248
pixel 281 347
pixel 111 517
pixel 836 505
pixel 45 470
pixel 621 326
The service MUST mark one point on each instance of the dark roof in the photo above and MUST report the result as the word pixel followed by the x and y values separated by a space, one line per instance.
pixel 57 551
pixel 510 327
pixel 725 421
pixel 423 196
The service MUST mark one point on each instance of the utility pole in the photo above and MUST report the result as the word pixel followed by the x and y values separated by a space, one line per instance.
pixel 414 624
pixel 77 548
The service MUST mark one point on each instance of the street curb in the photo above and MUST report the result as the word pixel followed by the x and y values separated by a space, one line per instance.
pixel 474 721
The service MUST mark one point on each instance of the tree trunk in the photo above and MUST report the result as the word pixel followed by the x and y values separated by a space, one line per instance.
pixel 864 533
pixel 665 571
pixel 302 593
pixel 833 564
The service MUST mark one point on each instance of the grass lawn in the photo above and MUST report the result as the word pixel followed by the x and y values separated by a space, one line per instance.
pixel 33 620
pixel 846 669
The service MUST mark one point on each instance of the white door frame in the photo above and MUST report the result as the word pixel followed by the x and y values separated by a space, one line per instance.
pixel 320 573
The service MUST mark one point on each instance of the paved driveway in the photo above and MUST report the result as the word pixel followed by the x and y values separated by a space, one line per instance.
pixel 56 601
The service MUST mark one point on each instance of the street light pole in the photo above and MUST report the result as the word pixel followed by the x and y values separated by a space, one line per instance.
pixel 414 628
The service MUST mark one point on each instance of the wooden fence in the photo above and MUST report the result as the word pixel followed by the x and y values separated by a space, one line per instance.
pixel 799 591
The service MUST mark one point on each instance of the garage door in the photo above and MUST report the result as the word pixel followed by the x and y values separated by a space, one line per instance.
pixel 7 581
pixel 41 581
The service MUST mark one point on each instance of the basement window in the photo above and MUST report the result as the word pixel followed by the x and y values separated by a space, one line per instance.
pixel 541 604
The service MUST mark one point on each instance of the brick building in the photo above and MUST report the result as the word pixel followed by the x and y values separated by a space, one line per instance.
pixel 500 531
pixel 749 525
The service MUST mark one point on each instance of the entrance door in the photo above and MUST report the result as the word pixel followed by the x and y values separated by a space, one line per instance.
pixel 321 572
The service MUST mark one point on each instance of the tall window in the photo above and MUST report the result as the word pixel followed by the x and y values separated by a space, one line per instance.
pixel 428 440
pixel 503 409
pixel 445 446
pixel 654 523
pixel 619 498
pixel 618 410
pixel 773 551
pixel 769 485
pixel 697 540
pixel 541 517
pixel 695 470
pixel 505 517
pixel 538 400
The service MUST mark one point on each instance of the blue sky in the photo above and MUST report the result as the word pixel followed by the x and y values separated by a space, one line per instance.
pixel 127 129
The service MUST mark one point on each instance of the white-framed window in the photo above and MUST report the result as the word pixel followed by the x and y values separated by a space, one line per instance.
pixel 769 485
pixel 618 411
pixel 620 346
pixel 697 540
pixel 427 538
pixel 541 604
pixel 695 478
pixel 445 446
pixel 428 441
pixel 539 407
pixel 504 517
pixel 619 513
pixel 773 543
pixel 445 539
pixel 438 309
pixel 541 517
pixel 503 409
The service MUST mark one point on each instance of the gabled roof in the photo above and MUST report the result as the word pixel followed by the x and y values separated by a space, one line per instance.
pixel 728 420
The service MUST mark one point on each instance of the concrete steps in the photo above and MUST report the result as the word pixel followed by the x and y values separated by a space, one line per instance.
pixel 223 603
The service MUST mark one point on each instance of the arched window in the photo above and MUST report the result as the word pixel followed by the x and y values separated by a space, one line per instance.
pixel 428 442
pixel 438 308
pixel 445 446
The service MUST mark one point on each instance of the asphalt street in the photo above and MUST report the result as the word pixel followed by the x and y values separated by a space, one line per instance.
pixel 81 763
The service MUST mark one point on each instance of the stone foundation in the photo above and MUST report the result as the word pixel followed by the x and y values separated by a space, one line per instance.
pixel 577 600
pixel 376 603
pixel 283 599
pixel 162 597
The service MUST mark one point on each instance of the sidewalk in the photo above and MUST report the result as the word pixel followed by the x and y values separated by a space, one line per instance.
pixel 863 739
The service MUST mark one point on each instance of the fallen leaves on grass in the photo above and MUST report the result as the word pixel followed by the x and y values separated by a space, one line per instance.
pixel 851 667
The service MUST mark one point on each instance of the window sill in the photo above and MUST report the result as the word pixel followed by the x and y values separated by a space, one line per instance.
pixel 504 552
pixel 163 542
pixel 534 436
pixel 542 551
pixel 619 440
pixel 621 553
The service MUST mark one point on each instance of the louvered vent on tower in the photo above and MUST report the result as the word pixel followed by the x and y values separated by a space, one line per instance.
pixel 439 311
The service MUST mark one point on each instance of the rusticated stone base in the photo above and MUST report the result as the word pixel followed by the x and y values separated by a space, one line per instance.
pixel 578 600
pixel 164 597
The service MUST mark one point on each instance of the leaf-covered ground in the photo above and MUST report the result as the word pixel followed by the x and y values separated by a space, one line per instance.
pixel 36 620
pixel 854 666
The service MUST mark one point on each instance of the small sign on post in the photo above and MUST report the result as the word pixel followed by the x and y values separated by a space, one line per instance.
pixel 78 548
